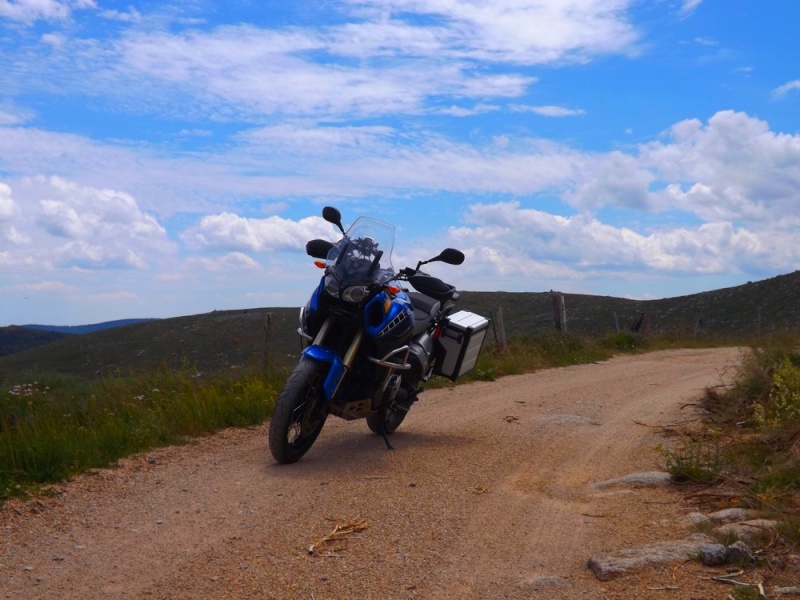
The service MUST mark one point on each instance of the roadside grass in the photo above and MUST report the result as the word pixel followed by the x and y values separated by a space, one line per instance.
pixel 52 426
pixel 754 444
pixel 55 426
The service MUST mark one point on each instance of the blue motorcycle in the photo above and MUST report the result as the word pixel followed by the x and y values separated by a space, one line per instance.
pixel 369 342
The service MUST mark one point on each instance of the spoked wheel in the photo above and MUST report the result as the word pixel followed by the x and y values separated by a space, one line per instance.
pixel 299 414
pixel 391 416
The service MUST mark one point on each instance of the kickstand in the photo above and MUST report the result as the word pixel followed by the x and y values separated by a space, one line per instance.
pixel 383 430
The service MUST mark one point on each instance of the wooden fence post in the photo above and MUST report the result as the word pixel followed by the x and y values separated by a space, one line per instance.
pixel 499 329
pixel 267 336
pixel 560 310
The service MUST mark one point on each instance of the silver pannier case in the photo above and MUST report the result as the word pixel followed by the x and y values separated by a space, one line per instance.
pixel 460 343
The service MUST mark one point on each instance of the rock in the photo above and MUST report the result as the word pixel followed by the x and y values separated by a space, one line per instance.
pixel 646 478
pixel 713 555
pixel 748 531
pixel 739 553
pixel 731 515
pixel 786 591
pixel 697 518
pixel 618 563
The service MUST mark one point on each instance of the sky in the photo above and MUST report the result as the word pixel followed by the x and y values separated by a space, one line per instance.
pixel 161 159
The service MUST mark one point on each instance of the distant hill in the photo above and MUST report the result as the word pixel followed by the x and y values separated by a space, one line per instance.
pixel 16 339
pixel 83 329
pixel 224 340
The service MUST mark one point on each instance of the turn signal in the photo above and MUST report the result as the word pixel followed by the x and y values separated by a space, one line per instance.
pixel 320 263
pixel 393 289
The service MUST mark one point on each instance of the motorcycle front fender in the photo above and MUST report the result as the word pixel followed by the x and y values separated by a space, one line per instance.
pixel 336 370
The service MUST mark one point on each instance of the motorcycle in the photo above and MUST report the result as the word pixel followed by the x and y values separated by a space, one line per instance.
pixel 368 341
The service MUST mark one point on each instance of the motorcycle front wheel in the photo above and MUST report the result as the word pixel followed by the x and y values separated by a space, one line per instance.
pixel 299 415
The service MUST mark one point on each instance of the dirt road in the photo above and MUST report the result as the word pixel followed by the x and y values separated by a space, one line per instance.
pixel 488 494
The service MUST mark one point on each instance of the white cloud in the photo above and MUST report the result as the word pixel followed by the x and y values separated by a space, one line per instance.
pixel 228 231
pixel 232 261
pixel 459 111
pixel 689 6
pixel 582 244
pixel 732 169
pixel 46 286
pixel 549 110
pixel 29 11
pixel 383 61
pixel 130 16
pixel 8 207
pixel 254 71
pixel 514 31
pixel 786 88
pixel 72 225
pixel 14 116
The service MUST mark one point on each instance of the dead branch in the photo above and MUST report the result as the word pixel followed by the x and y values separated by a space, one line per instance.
pixel 340 531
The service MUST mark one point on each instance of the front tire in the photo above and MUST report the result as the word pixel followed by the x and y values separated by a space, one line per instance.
pixel 299 414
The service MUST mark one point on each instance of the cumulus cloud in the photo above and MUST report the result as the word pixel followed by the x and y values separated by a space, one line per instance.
pixel 228 231
pixel 534 239
pixel 734 168
pixel 80 226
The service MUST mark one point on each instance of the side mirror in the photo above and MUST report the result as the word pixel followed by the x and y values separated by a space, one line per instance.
pixel 332 215
pixel 451 256
pixel 318 248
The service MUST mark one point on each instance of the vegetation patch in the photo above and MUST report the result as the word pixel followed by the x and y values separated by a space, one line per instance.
pixel 755 451
pixel 52 427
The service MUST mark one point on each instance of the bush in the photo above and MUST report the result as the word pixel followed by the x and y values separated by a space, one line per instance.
pixel 782 405
pixel 696 461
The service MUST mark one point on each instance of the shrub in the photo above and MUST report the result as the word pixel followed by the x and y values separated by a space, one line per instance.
pixel 696 461
pixel 782 405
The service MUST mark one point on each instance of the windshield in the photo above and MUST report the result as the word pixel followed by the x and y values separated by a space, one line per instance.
pixel 364 255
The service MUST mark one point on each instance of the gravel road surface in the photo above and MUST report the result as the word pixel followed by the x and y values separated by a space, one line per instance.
pixel 488 494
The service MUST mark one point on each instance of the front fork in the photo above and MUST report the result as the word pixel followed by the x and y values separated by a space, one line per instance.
pixel 338 367
pixel 396 360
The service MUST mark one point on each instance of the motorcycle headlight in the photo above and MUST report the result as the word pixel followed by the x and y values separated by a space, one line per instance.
pixel 355 293
pixel 332 286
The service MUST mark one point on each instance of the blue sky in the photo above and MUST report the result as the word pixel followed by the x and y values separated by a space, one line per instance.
pixel 162 159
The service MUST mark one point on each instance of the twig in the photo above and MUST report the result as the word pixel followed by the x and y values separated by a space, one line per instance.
pixel 339 531
pixel 598 516
pixel 663 588
pixel 643 424
pixel 376 477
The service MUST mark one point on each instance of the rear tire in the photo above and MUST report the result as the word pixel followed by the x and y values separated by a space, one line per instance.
pixel 392 417
pixel 299 415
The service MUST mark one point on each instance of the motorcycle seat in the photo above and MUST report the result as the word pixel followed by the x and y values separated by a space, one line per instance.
pixel 424 307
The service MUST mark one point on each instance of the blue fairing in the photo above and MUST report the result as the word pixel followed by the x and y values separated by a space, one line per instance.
pixel 336 371
pixel 397 321
pixel 313 304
